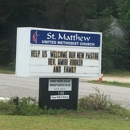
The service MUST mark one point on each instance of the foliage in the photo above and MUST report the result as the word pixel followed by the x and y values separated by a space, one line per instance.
pixel 108 53
pixel 99 101
pixel 66 14
pixel 11 66
pixel 122 59
pixel 7 107
pixel 5 54
pixel 69 14
pixel 124 17
pixel 29 106
pixel 26 106
pixel 106 9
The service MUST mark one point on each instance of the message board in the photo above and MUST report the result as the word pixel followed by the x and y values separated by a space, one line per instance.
pixel 58 53
pixel 60 85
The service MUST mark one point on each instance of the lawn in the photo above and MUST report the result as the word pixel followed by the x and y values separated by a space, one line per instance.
pixel 91 120
pixel 118 73
pixel 5 70
pixel 118 84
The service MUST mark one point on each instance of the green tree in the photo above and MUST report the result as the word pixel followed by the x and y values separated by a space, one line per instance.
pixel 69 14
pixel 124 18
pixel 106 9
pixel 124 15
pixel 17 13
pixel 64 14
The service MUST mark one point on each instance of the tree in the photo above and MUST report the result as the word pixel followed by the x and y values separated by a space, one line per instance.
pixel 63 14
pixel 17 13
pixel 124 15
pixel 106 9
pixel 69 14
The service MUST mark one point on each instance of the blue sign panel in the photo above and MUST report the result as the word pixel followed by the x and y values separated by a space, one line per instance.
pixel 50 37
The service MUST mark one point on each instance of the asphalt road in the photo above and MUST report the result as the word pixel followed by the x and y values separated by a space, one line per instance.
pixel 11 86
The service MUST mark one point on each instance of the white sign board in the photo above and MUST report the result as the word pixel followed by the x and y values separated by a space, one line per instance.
pixel 56 97
pixel 60 85
pixel 54 53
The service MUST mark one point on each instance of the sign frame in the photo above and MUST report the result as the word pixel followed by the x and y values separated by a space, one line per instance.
pixel 28 66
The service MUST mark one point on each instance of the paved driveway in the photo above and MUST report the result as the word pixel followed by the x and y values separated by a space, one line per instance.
pixel 23 87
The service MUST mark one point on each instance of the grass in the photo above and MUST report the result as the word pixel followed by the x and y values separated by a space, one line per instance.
pixel 5 70
pixel 86 120
pixel 90 120
pixel 119 84
pixel 118 73
pixel 106 117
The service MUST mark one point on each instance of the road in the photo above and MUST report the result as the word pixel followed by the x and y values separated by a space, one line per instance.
pixel 11 86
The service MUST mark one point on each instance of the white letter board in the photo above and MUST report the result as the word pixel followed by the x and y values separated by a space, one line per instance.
pixel 53 53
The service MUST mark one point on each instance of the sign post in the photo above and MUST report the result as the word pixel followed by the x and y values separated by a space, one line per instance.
pixel 58 58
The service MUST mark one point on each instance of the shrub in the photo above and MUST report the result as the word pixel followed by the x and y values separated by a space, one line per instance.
pixel 29 106
pixel 7 107
pixel 26 106
pixel 96 101
pixel 99 101
pixel 11 66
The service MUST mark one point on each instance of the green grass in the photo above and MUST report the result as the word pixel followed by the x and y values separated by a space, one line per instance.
pixel 91 120
pixel 5 70
pixel 118 73
pixel 119 84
